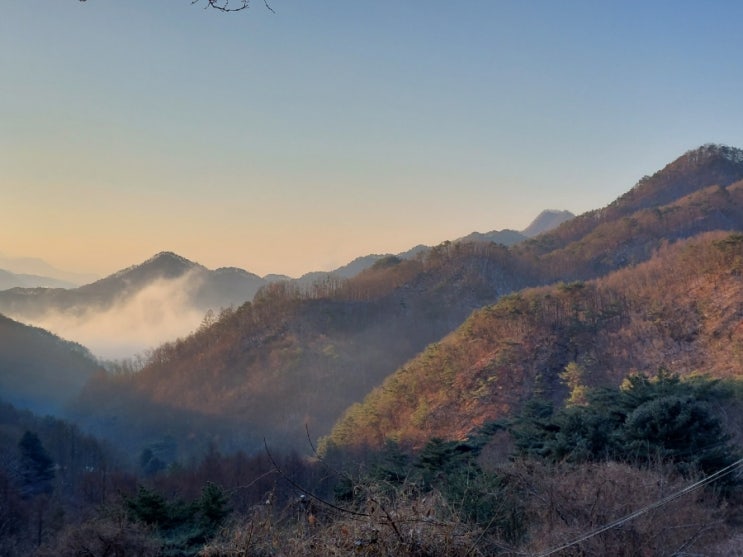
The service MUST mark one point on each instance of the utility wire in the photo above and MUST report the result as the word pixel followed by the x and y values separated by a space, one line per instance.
pixel 708 480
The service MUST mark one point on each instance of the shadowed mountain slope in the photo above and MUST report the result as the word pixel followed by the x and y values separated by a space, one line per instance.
pixel 38 370
pixel 682 310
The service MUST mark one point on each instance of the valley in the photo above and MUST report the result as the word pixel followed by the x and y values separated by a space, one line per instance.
pixel 477 365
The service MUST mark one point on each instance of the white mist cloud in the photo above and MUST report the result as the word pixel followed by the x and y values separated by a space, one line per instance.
pixel 160 312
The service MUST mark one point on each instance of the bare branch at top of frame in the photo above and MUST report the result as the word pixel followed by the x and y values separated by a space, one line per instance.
pixel 224 5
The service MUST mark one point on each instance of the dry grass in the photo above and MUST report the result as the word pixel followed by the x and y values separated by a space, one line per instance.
pixel 566 502
pixel 401 525
pixel 561 503
pixel 105 537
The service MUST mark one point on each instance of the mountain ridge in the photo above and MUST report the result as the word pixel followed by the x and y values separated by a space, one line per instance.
pixel 293 356
pixel 698 168
pixel 297 356
pixel 9 279
pixel 506 353
pixel 39 267
pixel 142 292
pixel 141 306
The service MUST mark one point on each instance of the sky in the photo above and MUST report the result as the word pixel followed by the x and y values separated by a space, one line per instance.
pixel 296 140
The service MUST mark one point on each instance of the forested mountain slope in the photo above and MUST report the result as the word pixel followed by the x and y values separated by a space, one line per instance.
pixel 50 474
pixel 614 244
pixel 682 310
pixel 293 357
pixel 300 356
pixel 39 370
pixel 709 165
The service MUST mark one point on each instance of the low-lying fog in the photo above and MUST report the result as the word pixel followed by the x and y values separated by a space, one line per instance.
pixel 160 312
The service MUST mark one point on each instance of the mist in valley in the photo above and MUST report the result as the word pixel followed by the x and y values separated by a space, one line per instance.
pixel 161 311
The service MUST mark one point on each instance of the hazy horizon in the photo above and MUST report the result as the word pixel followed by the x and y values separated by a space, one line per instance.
pixel 29 264
pixel 295 141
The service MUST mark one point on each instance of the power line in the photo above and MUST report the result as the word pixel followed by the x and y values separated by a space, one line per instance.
pixel 657 504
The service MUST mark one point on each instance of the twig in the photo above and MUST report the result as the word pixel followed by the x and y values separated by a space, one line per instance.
pixel 256 480
pixel 298 487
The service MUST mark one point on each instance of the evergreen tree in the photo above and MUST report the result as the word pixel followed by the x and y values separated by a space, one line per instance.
pixel 213 507
pixel 183 527
pixel 36 466
pixel 148 507
pixel 682 430
pixel 647 419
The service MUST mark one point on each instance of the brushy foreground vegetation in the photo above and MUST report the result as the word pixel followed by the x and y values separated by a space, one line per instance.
pixel 539 508
pixel 622 471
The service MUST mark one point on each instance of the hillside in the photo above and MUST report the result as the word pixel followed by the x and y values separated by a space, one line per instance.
pixel 680 310
pixel 545 221
pixel 631 239
pixel 709 165
pixel 505 237
pixel 301 356
pixel 39 370
pixel 291 358
pixel 51 473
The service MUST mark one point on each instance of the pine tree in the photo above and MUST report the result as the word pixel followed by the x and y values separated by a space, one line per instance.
pixel 36 466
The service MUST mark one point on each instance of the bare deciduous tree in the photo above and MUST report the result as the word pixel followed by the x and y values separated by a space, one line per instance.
pixel 224 5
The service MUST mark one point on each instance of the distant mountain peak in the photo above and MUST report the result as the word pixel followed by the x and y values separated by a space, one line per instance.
pixel 170 257
pixel 164 263
pixel 546 221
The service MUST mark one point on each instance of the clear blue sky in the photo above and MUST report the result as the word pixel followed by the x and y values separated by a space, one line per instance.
pixel 294 141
